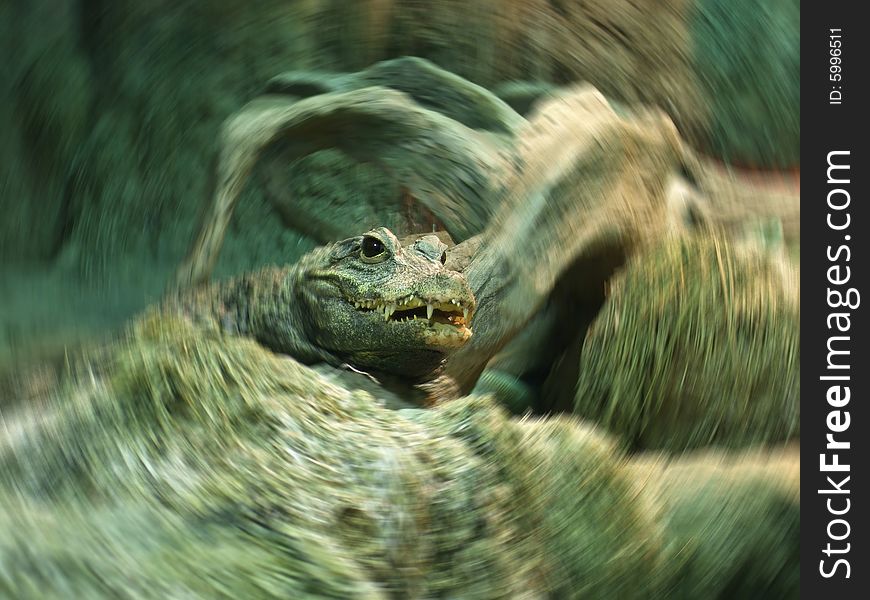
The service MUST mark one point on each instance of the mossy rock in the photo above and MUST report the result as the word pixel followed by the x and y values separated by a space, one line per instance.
pixel 698 344
pixel 190 464
pixel 715 548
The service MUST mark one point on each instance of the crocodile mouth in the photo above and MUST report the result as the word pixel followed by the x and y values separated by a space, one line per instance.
pixel 452 313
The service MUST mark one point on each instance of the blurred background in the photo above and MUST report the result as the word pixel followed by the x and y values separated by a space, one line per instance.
pixel 110 113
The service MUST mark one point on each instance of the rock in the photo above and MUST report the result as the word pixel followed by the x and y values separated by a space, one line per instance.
pixel 698 344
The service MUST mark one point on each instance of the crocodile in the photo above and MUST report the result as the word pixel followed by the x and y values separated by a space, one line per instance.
pixel 365 302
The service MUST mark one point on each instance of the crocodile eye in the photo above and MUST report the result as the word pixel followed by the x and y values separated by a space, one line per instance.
pixel 444 257
pixel 372 247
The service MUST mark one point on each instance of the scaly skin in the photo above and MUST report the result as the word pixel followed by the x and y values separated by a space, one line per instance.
pixel 397 310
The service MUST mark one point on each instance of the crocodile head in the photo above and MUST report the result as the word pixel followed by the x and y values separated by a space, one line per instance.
pixel 378 305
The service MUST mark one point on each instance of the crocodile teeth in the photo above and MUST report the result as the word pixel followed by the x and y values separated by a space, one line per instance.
pixel 430 310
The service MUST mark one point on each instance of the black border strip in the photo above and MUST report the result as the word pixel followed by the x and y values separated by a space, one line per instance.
pixel 826 253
